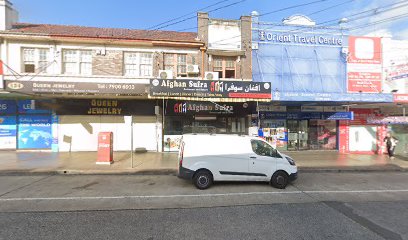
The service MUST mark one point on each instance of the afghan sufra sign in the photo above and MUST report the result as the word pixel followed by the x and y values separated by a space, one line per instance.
pixel 174 88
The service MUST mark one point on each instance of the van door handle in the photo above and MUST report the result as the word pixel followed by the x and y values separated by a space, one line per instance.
pixel 253 157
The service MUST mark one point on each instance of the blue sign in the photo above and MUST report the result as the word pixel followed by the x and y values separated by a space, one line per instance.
pixel 332 97
pixel 338 115
pixel 31 107
pixel 298 38
pixel 8 107
pixel 8 132
pixel 34 132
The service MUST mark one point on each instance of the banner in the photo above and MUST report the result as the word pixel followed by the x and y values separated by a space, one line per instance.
pixel 332 97
pixel 75 87
pixel 364 65
pixel 173 88
pixel 8 130
pixel 211 108
pixel 34 132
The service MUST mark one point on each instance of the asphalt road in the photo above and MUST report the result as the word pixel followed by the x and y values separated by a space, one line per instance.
pixel 370 205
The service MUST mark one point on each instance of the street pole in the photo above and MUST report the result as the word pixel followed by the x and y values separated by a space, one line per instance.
pixel 131 141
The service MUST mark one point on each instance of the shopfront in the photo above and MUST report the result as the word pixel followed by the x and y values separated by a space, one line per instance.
pixel 183 117
pixel 202 106
pixel 25 125
pixel 80 121
pixel 297 128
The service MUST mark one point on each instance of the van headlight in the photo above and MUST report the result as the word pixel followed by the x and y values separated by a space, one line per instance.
pixel 291 161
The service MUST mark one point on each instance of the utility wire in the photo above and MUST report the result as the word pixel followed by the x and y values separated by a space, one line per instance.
pixel 185 15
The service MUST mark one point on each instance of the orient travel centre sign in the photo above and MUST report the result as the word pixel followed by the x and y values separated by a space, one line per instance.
pixel 278 37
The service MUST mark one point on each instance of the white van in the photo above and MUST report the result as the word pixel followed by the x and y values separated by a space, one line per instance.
pixel 205 158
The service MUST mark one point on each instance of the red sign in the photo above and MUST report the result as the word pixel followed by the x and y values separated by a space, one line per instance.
pixel 364 50
pixel 344 130
pixel 364 82
pixel 364 65
pixel 361 116
pixel 105 148
pixel 402 98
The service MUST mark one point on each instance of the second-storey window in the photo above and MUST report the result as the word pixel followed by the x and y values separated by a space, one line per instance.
pixel 35 60
pixel 176 63
pixel 225 66
pixel 77 62
pixel 138 64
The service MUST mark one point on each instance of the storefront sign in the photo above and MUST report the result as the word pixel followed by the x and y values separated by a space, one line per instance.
pixel 33 107
pixel 332 97
pixel 103 107
pixel 364 65
pixel 75 87
pixel 401 98
pixel 190 107
pixel 312 108
pixel 34 132
pixel 8 107
pixel 296 38
pixel 361 116
pixel 338 115
pixel 8 132
pixel 208 89
pixel 271 108
pixel 308 115
pixel 387 120
pixel 334 109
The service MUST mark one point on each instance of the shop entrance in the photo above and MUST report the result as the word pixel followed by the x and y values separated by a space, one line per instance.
pixel 322 135
pixel 297 135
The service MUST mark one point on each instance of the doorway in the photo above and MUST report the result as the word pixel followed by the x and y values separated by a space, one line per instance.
pixel 297 135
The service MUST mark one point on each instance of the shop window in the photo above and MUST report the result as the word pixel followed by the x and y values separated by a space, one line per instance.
pixel 77 62
pixel 176 63
pixel 225 66
pixel 138 64
pixel 35 60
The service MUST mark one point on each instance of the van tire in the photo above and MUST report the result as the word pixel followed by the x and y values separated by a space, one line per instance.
pixel 203 179
pixel 280 180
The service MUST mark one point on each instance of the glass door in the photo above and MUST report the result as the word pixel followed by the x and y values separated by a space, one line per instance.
pixel 298 135
pixel 293 134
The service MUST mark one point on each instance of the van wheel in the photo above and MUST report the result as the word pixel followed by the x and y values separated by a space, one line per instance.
pixel 203 179
pixel 279 179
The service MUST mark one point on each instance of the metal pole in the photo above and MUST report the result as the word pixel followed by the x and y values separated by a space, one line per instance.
pixel 131 141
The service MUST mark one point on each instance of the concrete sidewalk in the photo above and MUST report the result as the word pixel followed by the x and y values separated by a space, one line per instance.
pixel 12 162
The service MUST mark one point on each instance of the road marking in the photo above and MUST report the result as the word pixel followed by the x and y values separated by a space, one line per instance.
pixel 201 195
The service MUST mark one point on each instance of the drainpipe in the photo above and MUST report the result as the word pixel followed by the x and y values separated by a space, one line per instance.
pixel 202 61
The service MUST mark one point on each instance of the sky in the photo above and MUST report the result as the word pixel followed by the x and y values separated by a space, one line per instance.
pixel 136 14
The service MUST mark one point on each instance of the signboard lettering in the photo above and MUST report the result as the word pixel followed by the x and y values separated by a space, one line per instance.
pixel 209 89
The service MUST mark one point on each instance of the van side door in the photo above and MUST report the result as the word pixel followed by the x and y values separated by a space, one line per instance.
pixel 262 161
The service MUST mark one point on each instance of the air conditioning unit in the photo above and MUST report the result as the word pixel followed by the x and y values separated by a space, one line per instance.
pixel 165 74
pixel 192 69
pixel 211 76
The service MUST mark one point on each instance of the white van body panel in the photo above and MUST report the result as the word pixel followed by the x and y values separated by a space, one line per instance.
pixel 231 158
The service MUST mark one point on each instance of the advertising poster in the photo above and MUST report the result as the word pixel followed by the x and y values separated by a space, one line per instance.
pixel 172 143
pixel 344 130
pixel 8 132
pixel 364 65
pixel 395 67
pixel 34 132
